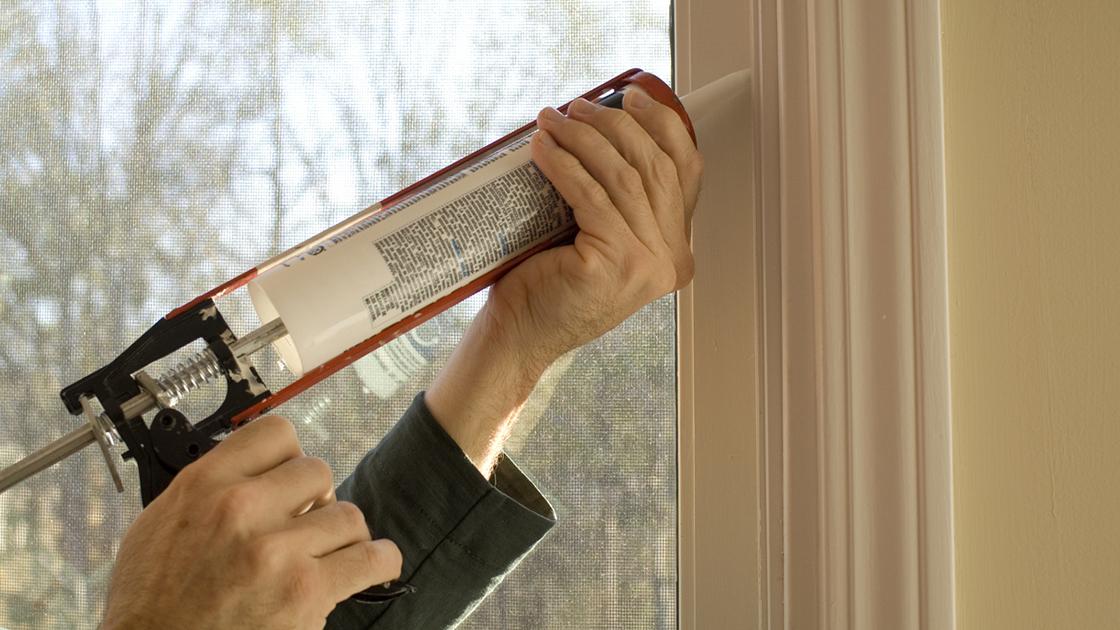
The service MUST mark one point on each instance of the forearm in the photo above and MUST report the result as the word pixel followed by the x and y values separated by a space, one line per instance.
pixel 478 393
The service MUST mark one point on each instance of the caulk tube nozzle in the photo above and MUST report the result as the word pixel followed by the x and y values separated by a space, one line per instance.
pixel 718 105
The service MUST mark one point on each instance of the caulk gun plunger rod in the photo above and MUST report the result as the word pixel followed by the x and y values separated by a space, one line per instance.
pixel 135 407
pixel 47 456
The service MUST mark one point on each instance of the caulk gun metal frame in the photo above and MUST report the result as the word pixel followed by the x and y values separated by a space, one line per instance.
pixel 170 441
pixel 126 394
pixel 609 94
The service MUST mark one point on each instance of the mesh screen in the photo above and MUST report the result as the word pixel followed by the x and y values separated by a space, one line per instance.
pixel 149 151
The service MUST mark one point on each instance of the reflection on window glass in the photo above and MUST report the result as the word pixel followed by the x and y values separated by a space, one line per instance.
pixel 150 150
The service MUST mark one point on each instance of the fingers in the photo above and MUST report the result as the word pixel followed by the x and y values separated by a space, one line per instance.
pixel 599 222
pixel 295 486
pixel 657 170
pixel 361 565
pixel 326 530
pixel 664 125
pixel 257 447
pixel 621 182
pixel 639 163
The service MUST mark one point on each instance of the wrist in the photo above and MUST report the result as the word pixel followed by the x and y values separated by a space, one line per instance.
pixel 507 337
pixel 487 379
pixel 533 330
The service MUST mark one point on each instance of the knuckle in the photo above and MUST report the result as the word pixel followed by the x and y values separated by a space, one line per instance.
pixel 303 582
pixel 694 166
pixel 661 119
pixel 373 555
pixel 595 256
pixel 615 119
pixel 584 135
pixel 663 167
pixel 321 470
pixel 666 282
pixel 287 430
pixel 571 164
pixel 640 271
pixel 629 180
pixel 658 278
pixel 667 286
pixel 383 557
pixel 353 516
pixel 264 556
pixel 279 425
pixel 234 506
pixel 685 269
pixel 193 477
pixel 598 198
pixel 271 421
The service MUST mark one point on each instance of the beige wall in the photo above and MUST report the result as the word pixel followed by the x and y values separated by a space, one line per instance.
pixel 1032 116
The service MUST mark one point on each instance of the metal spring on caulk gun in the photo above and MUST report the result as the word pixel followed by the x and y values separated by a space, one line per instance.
pixel 189 375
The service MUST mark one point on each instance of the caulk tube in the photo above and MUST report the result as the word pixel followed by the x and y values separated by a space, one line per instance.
pixel 415 254
pixel 355 284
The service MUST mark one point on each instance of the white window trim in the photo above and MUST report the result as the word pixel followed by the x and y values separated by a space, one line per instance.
pixel 717 345
pixel 851 445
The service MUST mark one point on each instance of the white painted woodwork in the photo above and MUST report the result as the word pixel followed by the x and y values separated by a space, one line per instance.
pixel 814 442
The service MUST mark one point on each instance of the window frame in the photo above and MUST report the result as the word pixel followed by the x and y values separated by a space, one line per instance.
pixel 849 410
pixel 719 530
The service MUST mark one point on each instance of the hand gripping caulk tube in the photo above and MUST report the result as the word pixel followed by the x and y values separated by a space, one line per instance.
pixel 423 250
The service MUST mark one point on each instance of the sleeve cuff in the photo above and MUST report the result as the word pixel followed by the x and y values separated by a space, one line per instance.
pixel 420 490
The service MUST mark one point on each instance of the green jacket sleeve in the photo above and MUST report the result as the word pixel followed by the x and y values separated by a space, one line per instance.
pixel 458 532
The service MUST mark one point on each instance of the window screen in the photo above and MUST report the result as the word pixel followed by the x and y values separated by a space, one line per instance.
pixel 151 150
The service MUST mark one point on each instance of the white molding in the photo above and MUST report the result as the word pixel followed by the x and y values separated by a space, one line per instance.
pixel 854 382
pixel 718 436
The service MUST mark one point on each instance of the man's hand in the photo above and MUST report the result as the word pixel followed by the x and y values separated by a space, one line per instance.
pixel 632 179
pixel 249 536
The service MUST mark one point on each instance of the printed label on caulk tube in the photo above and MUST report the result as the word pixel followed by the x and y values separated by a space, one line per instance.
pixel 469 236
pixel 354 284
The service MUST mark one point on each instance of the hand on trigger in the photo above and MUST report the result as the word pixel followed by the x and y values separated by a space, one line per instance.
pixel 249 536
